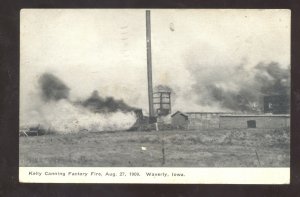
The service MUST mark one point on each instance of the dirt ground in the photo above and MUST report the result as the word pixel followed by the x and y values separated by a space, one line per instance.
pixel 178 148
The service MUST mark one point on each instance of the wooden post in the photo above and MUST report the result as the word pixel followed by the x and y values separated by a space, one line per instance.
pixel 170 102
pixel 161 101
pixel 149 64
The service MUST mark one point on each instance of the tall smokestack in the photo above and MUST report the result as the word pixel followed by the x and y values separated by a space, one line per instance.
pixel 149 63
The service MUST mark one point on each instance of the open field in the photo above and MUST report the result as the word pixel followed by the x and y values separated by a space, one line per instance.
pixel 178 148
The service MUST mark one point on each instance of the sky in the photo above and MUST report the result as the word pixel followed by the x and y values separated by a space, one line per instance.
pixel 105 49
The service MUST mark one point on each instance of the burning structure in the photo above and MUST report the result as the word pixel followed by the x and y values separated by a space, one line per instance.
pixel 260 100
pixel 162 103
pixel 211 88
pixel 244 99
pixel 277 104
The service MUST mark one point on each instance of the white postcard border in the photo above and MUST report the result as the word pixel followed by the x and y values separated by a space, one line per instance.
pixel 155 175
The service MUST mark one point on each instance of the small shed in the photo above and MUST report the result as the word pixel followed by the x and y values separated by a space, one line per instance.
pixel 180 120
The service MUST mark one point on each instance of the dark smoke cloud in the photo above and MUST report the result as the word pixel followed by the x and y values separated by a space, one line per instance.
pixel 162 88
pixel 52 88
pixel 278 81
pixel 99 104
pixel 265 79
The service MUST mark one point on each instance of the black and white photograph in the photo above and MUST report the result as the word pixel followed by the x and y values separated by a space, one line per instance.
pixel 155 95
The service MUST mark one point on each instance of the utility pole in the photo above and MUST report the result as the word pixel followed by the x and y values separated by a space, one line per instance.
pixel 149 65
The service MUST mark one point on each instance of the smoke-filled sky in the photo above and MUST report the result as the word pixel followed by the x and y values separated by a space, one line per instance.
pixel 194 52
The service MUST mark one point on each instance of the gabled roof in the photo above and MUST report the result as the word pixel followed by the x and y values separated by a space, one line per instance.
pixel 179 112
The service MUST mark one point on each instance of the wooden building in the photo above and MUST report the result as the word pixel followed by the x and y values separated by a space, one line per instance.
pixel 180 120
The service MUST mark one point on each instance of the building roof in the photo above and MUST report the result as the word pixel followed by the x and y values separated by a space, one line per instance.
pixel 179 112
pixel 211 112
pixel 256 115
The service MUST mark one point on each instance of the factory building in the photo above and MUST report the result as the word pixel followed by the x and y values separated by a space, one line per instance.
pixel 276 110
pixel 205 120
pixel 264 121
pixel 223 120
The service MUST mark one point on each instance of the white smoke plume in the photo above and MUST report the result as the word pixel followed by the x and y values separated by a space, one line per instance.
pixel 64 117
pixel 53 112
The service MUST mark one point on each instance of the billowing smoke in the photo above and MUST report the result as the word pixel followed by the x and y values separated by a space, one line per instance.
pixel 236 88
pixel 52 88
pixel 65 117
pixel 57 113
pixel 98 104
pixel 273 79
pixel 163 88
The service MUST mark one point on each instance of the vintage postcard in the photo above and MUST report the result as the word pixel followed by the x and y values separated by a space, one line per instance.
pixel 189 96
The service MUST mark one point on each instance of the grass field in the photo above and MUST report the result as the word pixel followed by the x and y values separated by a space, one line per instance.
pixel 178 148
